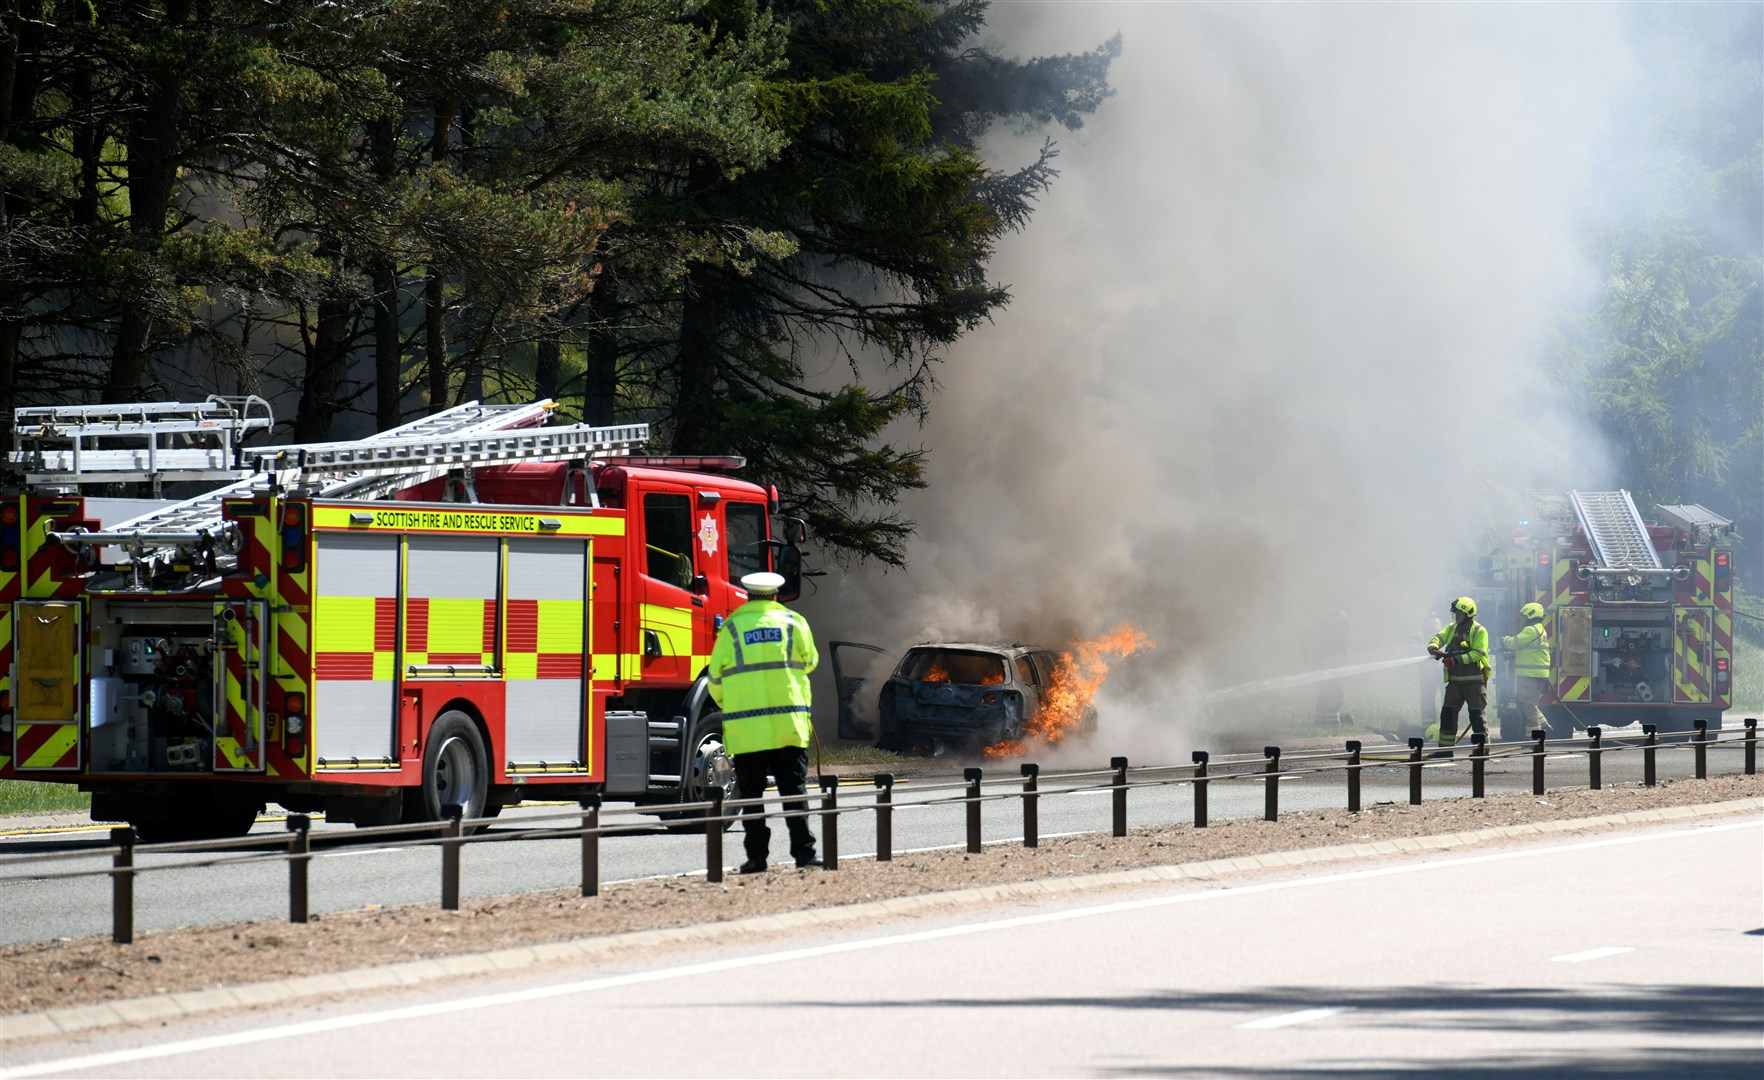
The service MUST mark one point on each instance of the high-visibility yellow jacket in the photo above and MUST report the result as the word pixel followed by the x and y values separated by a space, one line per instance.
pixel 759 677
pixel 1531 651
pixel 1474 663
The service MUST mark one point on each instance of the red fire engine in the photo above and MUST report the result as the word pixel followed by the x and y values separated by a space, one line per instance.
pixel 472 609
pixel 1640 614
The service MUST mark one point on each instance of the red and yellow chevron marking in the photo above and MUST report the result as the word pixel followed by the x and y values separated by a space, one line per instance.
pixel 240 748
pixel 1561 580
pixel 292 645
pixel 1690 669
pixel 49 746
pixel 1575 688
pixel 11 585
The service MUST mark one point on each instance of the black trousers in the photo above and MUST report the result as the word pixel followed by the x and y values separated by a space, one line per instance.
pixel 790 765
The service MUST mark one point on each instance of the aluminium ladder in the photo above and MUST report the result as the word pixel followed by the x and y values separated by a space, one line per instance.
pixel 1615 529
pixel 69 445
pixel 200 517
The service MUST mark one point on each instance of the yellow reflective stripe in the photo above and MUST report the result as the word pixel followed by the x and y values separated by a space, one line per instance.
pixel 673 626
pixel 479 521
pixel 521 666
pixel 605 667
pixel 1579 690
pixel 456 626
pixel 560 626
pixel 343 624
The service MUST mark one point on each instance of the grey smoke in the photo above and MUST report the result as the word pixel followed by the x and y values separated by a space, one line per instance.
pixel 1276 346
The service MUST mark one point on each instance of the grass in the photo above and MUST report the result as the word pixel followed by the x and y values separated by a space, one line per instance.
pixel 1748 675
pixel 857 755
pixel 31 797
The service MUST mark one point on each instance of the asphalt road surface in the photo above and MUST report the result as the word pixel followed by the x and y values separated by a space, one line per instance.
pixel 1369 971
pixel 350 874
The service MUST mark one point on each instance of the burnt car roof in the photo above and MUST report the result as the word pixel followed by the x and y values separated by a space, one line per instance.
pixel 981 646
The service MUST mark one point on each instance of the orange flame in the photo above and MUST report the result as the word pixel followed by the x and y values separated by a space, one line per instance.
pixel 937 673
pixel 1076 679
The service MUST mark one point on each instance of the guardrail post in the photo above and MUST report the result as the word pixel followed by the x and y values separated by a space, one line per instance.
pixel 1751 745
pixel 1478 764
pixel 591 846
pixel 1200 788
pixel 1700 748
pixel 1271 786
pixel 1650 733
pixel 1353 775
pixel 299 858
pixel 884 817
pixel 450 833
pixel 830 822
pixel 1415 771
pixel 1537 760
pixel 122 886
pixel 972 776
pixel 1595 773
pixel 1031 804
pixel 1120 795
pixel 713 836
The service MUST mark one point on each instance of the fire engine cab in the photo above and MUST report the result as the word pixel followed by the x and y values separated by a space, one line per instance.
pixel 473 609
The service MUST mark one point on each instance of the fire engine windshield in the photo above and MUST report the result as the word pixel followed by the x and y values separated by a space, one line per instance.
pixel 953 666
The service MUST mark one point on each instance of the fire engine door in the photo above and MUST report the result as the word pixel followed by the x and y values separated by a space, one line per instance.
pixel 48 636
pixel 1692 668
pixel 241 635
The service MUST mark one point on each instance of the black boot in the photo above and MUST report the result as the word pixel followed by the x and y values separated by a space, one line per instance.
pixel 1448 732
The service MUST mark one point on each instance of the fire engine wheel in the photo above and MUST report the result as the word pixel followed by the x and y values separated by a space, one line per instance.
pixel 455 768
pixel 708 766
pixel 195 816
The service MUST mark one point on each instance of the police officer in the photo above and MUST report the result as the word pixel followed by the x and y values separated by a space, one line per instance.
pixel 1463 649
pixel 1531 664
pixel 759 672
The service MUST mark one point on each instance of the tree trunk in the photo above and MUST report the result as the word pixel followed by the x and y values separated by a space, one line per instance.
pixel 601 381
pixel 547 368
pixel 324 362
pixel 152 177
pixel 434 332
pixel 388 354
pixel 696 389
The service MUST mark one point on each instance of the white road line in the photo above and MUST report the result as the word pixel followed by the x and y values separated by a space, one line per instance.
pixel 1593 954
pixel 1303 1016
pixel 364 851
pixel 695 972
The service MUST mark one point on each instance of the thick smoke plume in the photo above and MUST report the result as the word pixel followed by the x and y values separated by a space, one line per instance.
pixel 1277 347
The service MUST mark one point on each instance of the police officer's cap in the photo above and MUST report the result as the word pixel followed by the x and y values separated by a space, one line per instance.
pixel 762 584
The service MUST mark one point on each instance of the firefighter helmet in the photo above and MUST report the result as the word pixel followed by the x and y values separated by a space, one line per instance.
pixel 1531 612
pixel 1465 606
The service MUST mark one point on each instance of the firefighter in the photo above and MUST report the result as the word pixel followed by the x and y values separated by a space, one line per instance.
pixel 1463 650
pixel 1531 664
pixel 759 672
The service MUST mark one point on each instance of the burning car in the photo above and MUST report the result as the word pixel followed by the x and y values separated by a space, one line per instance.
pixel 963 697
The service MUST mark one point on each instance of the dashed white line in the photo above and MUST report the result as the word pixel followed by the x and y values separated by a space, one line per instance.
pixel 1303 1016
pixel 1593 954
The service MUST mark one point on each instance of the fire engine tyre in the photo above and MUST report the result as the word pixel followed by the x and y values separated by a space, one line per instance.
pixel 455 767
pixel 708 764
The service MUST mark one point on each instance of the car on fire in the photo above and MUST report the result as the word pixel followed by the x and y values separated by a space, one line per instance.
pixel 959 697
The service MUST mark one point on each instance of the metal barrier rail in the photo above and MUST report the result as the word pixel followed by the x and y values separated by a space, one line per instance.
pixel 451 834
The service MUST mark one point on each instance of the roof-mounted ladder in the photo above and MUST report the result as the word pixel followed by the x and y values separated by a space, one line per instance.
pixel 190 520
pixel 1615 529
pixel 69 445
